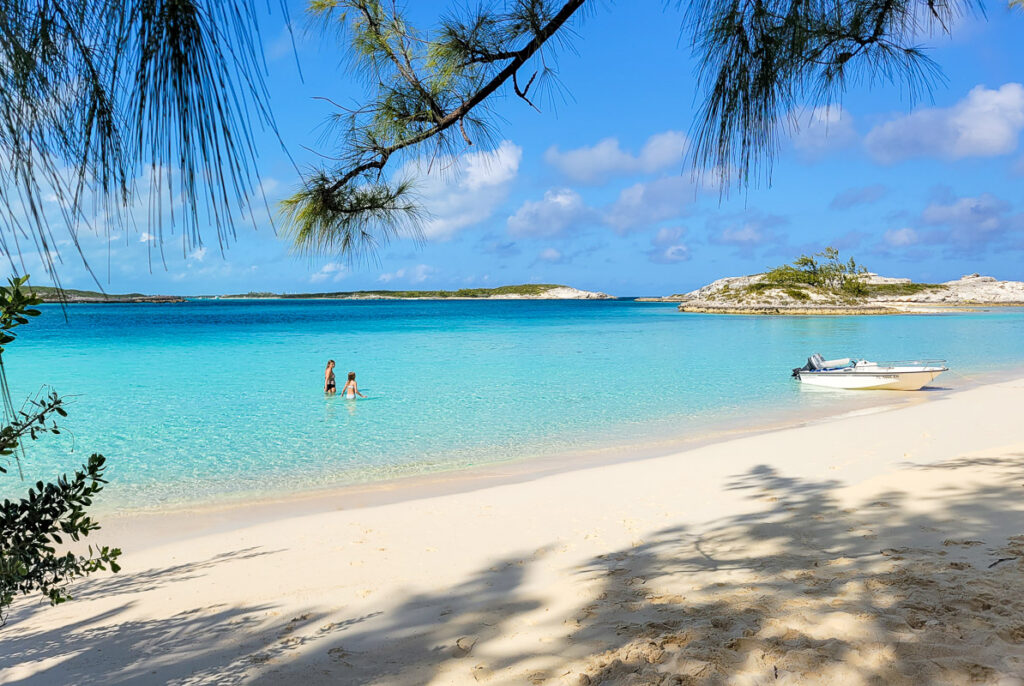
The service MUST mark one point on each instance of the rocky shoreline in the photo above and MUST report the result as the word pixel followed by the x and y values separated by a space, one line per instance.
pixel 886 295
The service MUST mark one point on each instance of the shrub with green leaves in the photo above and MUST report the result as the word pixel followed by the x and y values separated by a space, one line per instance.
pixel 822 271
pixel 35 530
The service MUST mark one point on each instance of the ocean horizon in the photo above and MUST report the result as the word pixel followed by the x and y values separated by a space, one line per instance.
pixel 212 401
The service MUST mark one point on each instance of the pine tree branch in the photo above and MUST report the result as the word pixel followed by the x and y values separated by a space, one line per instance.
pixel 516 60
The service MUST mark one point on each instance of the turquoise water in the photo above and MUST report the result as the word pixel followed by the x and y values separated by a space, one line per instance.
pixel 208 400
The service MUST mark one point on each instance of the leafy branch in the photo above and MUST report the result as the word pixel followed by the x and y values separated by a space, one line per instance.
pixel 32 527
pixel 762 61
pixel 422 89
pixel 429 93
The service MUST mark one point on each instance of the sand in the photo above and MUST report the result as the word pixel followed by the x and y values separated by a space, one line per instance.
pixel 879 547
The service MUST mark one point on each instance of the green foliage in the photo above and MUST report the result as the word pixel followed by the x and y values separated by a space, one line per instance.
pixel 823 271
pixel 427 101
pixel 31 527
pixel 900 288
pixel 796 293
pixel 16 307
pixel 348 221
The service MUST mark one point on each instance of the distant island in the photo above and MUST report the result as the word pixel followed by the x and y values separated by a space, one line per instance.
pixel 71 295
pixel 823 284
pixel 528 291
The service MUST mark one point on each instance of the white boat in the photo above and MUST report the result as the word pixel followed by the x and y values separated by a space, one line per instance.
pixel 874 376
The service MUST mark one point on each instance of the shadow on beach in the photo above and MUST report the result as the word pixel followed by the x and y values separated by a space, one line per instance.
pixel 807 590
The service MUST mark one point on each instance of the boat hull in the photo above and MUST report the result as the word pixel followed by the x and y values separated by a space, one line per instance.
pixel 871 381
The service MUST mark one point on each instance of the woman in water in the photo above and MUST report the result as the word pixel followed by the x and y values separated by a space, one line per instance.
pixel 351 389
pixel 329 378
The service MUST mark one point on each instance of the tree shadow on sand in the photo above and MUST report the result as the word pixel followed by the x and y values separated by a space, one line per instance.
pixel 206 644
pixel 809 587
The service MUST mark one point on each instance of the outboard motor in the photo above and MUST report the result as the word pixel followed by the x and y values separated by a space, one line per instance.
pixel 815 361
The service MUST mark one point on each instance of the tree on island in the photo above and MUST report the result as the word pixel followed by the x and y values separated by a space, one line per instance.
pixel 822 270
pixel 105 101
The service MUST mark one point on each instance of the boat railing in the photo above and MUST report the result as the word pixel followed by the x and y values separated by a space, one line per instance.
pixel 910 363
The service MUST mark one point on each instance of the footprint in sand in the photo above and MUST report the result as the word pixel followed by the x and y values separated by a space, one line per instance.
pixel 341 655
pixel 293 624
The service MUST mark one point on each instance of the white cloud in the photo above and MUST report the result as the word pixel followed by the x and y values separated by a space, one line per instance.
pixel 962 226
pixel 982 212
pixel 986 123
pixel 636 207
pixel 972 223
pixel 821 129
pixel 197 255
pixel 417 274
pixel 550 255
pixel 606 158
pixel 557 212
pixel 747 231
pixel 901 238
pixel 643 204
pixel 332 270
pixel 461 192
pixel 668 247
pixel 422 272
pixel 147 237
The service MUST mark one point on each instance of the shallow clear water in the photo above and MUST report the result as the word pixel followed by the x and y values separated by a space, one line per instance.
pixel 212 399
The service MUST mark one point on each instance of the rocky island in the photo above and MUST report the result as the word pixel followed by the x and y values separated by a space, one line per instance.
pixel 71 295
pixel 822 284
pixel 530 291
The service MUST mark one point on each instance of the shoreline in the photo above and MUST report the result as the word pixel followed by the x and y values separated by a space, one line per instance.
pixel 233 509
pixel 185 520
pixel 459 479
pixel 881 546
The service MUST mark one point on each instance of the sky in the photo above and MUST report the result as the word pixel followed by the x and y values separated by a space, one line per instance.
pixel 593 191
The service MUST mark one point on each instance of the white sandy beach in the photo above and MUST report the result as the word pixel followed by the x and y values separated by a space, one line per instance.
pixel 882 547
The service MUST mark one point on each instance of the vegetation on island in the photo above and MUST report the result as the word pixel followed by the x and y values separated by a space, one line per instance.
pixel 52 514
pixel 822 271
pixel 522 289
pixel 826 276
pixel 50 292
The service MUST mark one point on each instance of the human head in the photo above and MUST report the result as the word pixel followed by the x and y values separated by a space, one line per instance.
pixel 330 363
pixel 351 376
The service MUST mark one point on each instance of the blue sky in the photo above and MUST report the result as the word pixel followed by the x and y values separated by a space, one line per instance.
pixel 593 192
